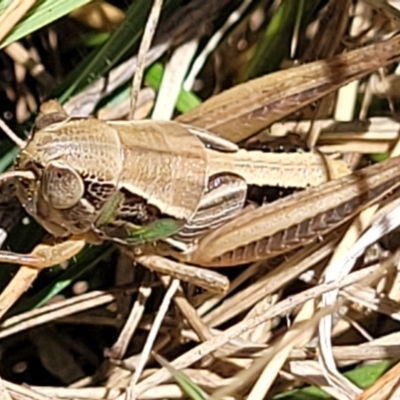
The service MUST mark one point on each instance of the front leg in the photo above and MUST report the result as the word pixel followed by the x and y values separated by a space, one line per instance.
pixel 44 255
pixel 201 277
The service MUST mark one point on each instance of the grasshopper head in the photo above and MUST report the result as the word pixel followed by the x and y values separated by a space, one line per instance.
pixel 68 182
pixel 53 194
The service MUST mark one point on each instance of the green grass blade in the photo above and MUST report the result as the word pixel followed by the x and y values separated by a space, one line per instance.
pixel 8 158
pixel 124 38
pixel 123 41
pixel 275 45
pixel 190 388
pixel 41 14
pixel 87 259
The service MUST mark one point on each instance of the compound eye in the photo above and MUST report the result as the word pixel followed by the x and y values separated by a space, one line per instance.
pixel 62 186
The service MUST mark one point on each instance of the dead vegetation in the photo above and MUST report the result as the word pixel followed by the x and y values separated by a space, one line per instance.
pixel 323 317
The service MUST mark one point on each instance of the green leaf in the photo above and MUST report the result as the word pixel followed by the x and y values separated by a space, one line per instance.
pixel 186 100
pixel 160 229
pixel 379 157
pixel 109 222
pixel 41 14
pixel 96 39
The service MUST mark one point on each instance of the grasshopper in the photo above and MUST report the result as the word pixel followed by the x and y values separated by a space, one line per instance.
pixel 164 190
pixel 150 187
pixel 160 189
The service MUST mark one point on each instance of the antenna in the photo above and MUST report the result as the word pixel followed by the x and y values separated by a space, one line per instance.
pixel 5 176
pixel 19 142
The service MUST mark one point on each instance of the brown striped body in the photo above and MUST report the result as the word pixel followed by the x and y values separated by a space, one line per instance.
pixel 138 181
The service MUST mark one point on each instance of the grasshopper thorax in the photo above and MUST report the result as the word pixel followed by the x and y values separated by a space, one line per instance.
pixel 129 182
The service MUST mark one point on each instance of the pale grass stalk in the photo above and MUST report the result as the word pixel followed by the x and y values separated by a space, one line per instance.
pixel 393 294
pixel 374 129
pixel 4 393
pixel 271 282
pixel 191 315
pixel 122 374
pixel 236 345
pixel 311 373
pixel 378 303
pixel 385 347
pixel 118 111
pixel 262 333
pixel 355 146
pixel 333 272
pixel 279 309
pixel 55 311
pixel 348 322
pixel 209 303
pixel 13 14
pixel 347 261
pixel 132 391
pixel 294 339
pixel 22 280
pixel 171 84
pixel 106 393
pixel 173 391
pixel 119 348
pixel 147 38
pixel 298 333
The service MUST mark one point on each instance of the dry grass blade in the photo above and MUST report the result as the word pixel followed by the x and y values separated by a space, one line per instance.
pixel 300 332
pixel 267 99
pixel 13 13
pixel 386 9
pixel 332 273
pixel 344 265
pixel 314 376
pixel 280 309
pixel 19 142
pixel 249 330
pixel 148 35
pixel 53 312
pixel 172 81
pixel 16 288
pixel 267 284
pixel 173 287
pixel 384 388
pixel 120 346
